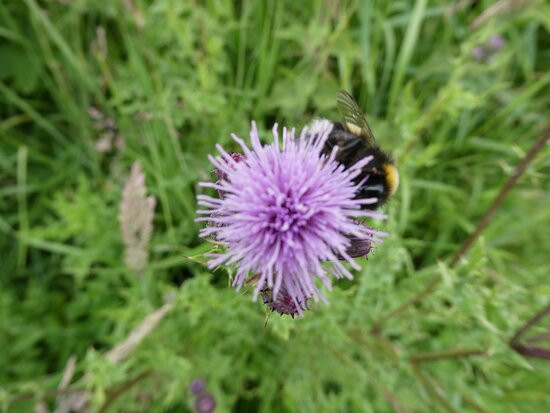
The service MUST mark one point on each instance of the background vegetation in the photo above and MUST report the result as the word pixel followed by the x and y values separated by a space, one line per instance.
pixel 88 87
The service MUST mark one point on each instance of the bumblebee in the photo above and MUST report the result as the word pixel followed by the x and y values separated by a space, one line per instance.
pixel 355 141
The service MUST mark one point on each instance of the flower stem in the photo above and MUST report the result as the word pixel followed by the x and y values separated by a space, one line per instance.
pixel 433 389
pixel 430 286
pixel 531 351
pixel 445 355
pixel 506 188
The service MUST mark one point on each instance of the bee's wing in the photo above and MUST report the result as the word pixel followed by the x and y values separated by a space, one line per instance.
pixel 353 115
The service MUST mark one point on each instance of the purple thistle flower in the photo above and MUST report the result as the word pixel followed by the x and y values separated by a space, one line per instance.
pixel 495 42
pixel 478 53
pixel 286 210
pixel 205 403
pixel 486 52
pixel 197 386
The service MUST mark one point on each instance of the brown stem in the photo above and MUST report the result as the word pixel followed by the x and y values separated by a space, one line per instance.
pixel 433 389
pixel 429 383
pixel 536 352
pixel 531 351
pixel 473 404
pixel 376 327
pixel 45 394
pixel 506 188
pixel 118 391
pixel 536 318
pixel 394 402
pixel 445 355
pixel 538 338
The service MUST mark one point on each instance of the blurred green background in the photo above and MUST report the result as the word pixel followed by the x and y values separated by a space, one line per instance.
pixel 457 91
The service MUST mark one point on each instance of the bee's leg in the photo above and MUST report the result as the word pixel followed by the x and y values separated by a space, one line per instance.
pixel 351 144
pixel 344 140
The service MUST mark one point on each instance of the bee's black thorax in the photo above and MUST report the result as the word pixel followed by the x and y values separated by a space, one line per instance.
pixel 353 148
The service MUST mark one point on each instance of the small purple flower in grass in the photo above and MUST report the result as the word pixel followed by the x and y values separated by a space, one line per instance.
pixel 478 53
pixel 205 403
pixel 197 386
pixel 495 42
pixel 286 209
pixel 486 52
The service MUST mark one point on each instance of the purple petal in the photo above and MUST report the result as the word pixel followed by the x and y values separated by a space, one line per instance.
pixel 284 210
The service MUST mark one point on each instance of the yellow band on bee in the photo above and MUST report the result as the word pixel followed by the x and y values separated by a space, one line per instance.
pixel 392 177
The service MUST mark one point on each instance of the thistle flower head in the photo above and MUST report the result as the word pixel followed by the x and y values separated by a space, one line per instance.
pixel 205 403
pixel 486 51
pixel 478 53
pixel 495 42
pixel 197 386
pixel 286 210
